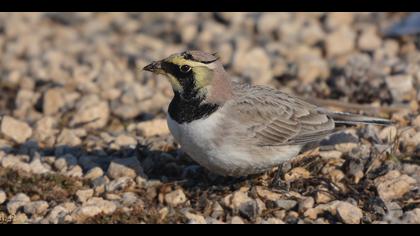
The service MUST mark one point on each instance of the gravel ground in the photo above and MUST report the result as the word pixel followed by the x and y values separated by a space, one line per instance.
pixel 83 134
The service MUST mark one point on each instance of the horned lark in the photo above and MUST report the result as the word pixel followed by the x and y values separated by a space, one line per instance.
pixel 235 129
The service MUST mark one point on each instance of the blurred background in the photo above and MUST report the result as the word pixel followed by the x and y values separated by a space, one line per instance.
pixel 72 88
pixel 52 63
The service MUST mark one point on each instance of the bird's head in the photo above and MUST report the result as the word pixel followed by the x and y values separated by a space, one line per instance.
pixel 194 74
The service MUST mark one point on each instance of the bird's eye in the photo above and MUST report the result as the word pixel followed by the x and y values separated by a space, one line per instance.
pixel 185 68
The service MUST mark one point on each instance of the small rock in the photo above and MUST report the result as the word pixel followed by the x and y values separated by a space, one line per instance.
pixel 249 209
pixel 141 181
pixel 339 19
pixel 286 204
pixel 416 121
pixel 13 162
pixel 36 208
pixel 106 207
pixel 93 207
pixel 266 194
pixel 91 113
pixel 217 210
pixel 394 212
pixel 244 63
pixel 369 40
pixel 84 195
pixel 175 198
pixel 119 184
pixel 85 212
pixel 273 221
pixel 236 220
pixel 236 199
pixel 112 197
pixel 17 202
pixel 412 217
pixel 37 167
pixel 388 134
pixel 125 141
pixel 393 185
pixel 340 42
pixel 153 128
pixel 313 213
pixel 14 129
pixel 330 154
pixel 125 167
pixel 345 147
pixel 129 199
pixel 57 215
pixel 20 218
pixel 349 213
pixel 270 22
pixel 75 172
pixel 65 161
pixel 44 130
pixel 312 68
pixel 296 173
pixel 3 197
pixel 94 173
pixel 401 87
pixel 323 197
pixel 306 204
pixel 53 101
pixel 99 184
pixel 195 218
pixel 68 137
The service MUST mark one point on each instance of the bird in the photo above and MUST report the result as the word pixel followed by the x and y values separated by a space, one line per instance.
pixel 237 129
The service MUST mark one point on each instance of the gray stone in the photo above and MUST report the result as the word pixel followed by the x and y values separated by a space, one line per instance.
pixel 53 101
pixel 3 197
pixel 401 87
pixel 244 63
pixel 84 195
pixel 91 113
pixel 119 184
pixel 125 167
pixel 369 40
pixel 75 172
pixel 306 204
pixel 195 218
pixel 94 173
pixel 36 208
pixel 286 204
pixel 37 167
pixel 14 129
pixel 340 42
pixel 125 141
pixel 17 202
pixel 68 137
pixel 412 217
pixel 236 220
pixel 393 185
pixel 175 198
pixel 349 213
pixel 57 215
pixel 14 162
pixel 65 161
pixel 129 198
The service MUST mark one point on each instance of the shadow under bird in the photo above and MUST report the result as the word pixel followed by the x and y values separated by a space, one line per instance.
pixel 236 129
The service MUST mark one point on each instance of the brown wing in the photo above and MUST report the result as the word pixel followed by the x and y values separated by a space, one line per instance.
pixel 275 118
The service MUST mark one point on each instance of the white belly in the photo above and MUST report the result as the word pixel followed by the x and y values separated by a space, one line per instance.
pixel 228 158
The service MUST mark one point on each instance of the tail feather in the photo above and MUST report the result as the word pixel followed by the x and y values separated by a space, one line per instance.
pixel 349 118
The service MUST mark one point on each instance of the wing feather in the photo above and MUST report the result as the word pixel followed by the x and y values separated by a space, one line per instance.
pixel 275 118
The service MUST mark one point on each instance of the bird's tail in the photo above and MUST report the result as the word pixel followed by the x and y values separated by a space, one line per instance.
pixel 352 119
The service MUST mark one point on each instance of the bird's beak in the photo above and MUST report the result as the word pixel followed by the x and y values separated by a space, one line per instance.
pixel 155 67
